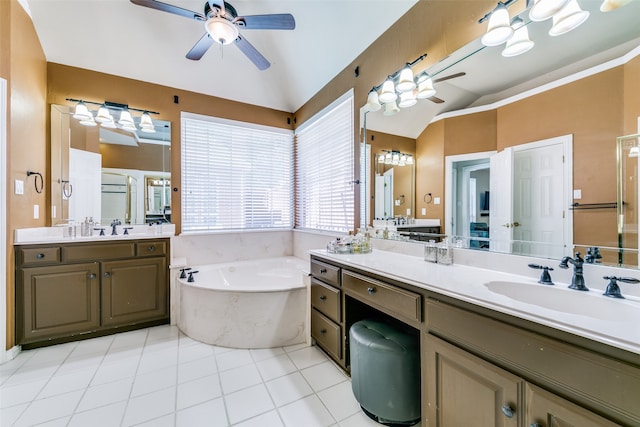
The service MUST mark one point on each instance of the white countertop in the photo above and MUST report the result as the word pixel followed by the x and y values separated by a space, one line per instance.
pixel 49 235
pixel 611 321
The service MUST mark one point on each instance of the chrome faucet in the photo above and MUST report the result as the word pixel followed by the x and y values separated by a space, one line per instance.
pixel 577 281
pixel 115 223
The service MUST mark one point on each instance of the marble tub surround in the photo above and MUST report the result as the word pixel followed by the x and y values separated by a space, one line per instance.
pixel 57 234
pixel 586 314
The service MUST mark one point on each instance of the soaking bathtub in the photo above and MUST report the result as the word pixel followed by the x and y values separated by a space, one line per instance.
pixel 246 304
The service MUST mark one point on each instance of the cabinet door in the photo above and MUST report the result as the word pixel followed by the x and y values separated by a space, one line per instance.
pixel 57 301
pixel 545 409
pixel 134 291
pixel 463 390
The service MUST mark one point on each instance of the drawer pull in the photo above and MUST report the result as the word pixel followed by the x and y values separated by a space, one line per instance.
pixel 323 331
pixel 323 271
pixel 40 255
pixel 92 276
pixel 151 248
pixel 323 297
pixel 371 290
pixel 107 274
pixel 508 411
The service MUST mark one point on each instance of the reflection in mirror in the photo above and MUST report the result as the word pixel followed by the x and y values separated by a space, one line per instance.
pixel 100 173
pixel 394 178
pixel 605 38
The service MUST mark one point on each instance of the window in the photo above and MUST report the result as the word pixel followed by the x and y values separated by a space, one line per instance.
pixel 235 175
pixel 324 169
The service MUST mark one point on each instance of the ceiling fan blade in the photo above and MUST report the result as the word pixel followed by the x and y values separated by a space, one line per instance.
pixel 452 76
pixel 252 53
pixel 200 48
pixel 164 7
pixel 217 4
pixel 278 21
pixel 435 99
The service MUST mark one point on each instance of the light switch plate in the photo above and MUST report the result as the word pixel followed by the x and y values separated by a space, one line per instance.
pixel 436 200
pixel 424 211
pixel 577 194
pixel 36 211
pixel 19 185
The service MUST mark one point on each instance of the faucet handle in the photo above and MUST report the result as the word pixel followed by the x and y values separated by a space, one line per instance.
pixel 191 273
pixel 613 290
pixel 183 274
pixel 101 231
pixel 545 277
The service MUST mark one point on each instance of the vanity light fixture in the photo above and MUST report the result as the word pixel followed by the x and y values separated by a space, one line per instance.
pixel 609 5
pixel 545 9
pixel 406 82
pixel 391 108
pixel 407 99
pixel 395 158
pixel 388 93
pixel 520 42
pixel 425 86
pixel 499 29
pixel 567 19
pixel 373 103
pixel 104 116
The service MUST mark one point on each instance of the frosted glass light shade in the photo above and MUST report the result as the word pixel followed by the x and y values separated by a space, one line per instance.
pixel 110 124
pixel 381 159
pixel 609 5
pixel 409 160
pixel 221 30
pixel 387 158
pixel 103 115
pixel 82 112
pixel 406 83
pixel 89 121
pixel 425 88
pixel 125 118
pixel 407 99
pixel 520 42
pixel 373 103
pixel 569 18
pixel 633 151
pixel 388 93
pixel 390 109
pixel 499 29
pixel 545 9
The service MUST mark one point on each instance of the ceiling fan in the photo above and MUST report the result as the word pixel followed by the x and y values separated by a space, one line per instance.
pixel 442 79
pixel 222 24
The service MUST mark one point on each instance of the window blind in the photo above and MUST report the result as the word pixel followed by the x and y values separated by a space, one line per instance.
pixel 235 175
pixel 324 169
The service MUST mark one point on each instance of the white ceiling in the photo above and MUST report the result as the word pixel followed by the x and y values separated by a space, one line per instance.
pixel 491 78
pixel 120 38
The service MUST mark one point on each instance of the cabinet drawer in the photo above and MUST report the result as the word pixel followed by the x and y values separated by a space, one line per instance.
pixel 98 252
pixel 326 333
pixel 398 302
pixel 40 256
pixel 325 272
pixel 325 299
pixel 151 248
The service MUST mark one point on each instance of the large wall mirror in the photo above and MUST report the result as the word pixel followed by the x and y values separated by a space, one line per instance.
pixel 497 195
pixel 108 174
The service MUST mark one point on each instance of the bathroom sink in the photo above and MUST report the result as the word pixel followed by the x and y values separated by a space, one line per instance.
pixel 561 299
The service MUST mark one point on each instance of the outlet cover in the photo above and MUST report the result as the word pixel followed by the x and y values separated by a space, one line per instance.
pixel 577 194
pixel 424 211
pixel 19 184
pixel 36 211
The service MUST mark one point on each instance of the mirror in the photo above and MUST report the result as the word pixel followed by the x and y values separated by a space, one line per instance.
pixel 489 79
pixel 108 174
pixel 393 184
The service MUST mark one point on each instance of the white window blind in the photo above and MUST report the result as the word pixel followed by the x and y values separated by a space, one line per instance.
pixel 235 175
pixel 324 169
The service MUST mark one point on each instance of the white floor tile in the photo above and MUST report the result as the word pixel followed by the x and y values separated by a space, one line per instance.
pixel 289 388
pixel 359 420
pixel 104 416
pixel 80 363
pixel 164 421
pixel 130 339
pixel 21 393
pixel 339 400
pixel 266 353
pixel 270 419
pixel 239 378
pixel 10 414
pixel 295 347
pixel 308 412
pixel 115 371
pixel 275 367
pixel 66 382
pixel 192 370
pixel 198 391
pixel 51 356
pixel 233 359
pixel 207 414
pixel 50 408
pixel 323 375
pixel 163 333
pixel 154 381
pixel 106 394
pixel 95 346
pixel 28 374
pixel 58 422
pixel 307 356
pixel 194 352
pixel 248 403
pixel 150 406
pixel 159 359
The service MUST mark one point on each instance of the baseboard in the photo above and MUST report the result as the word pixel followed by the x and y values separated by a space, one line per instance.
pixel 10 354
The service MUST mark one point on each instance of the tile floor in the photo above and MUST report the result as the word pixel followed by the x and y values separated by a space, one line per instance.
pixel 160 377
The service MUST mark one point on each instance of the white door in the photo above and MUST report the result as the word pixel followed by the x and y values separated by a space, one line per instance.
pixel 500 201
pixel 538 200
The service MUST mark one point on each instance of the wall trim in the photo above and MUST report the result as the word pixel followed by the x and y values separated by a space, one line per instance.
pixel 4 355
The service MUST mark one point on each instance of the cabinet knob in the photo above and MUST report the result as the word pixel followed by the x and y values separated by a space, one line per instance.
pixel 508 411
pixel 40 255
pixel 323 331
pixel 535 425
pixel 371 290
pixel 151 248
pixel 107 274
pixel 323 297
pixel 92 276
pixel 323 271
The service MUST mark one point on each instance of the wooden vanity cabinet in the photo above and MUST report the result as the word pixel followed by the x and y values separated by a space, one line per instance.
pixel 327 324
pixel 70 290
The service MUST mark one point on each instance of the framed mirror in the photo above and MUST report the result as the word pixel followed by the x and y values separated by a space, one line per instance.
pixel 102 173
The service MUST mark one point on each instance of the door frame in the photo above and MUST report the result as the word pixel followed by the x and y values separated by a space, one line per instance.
pixel 4 353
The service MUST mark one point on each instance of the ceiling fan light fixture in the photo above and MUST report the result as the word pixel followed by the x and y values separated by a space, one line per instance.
pixel 569 18
pixel 499 29
pixel 609 5
pixel 373 103
pixel 520 42
pixel 406 82
pixel 221 30
pixel 407 99
pixel 425 88
pixel 545 9
pixel 388 93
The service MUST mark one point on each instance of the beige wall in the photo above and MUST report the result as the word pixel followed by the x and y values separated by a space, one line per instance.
pixel 24 67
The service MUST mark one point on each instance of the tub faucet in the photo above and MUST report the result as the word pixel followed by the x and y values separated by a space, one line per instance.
pixel 115 223
pixel 577 281
pixel 183 272
pixel 191 279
